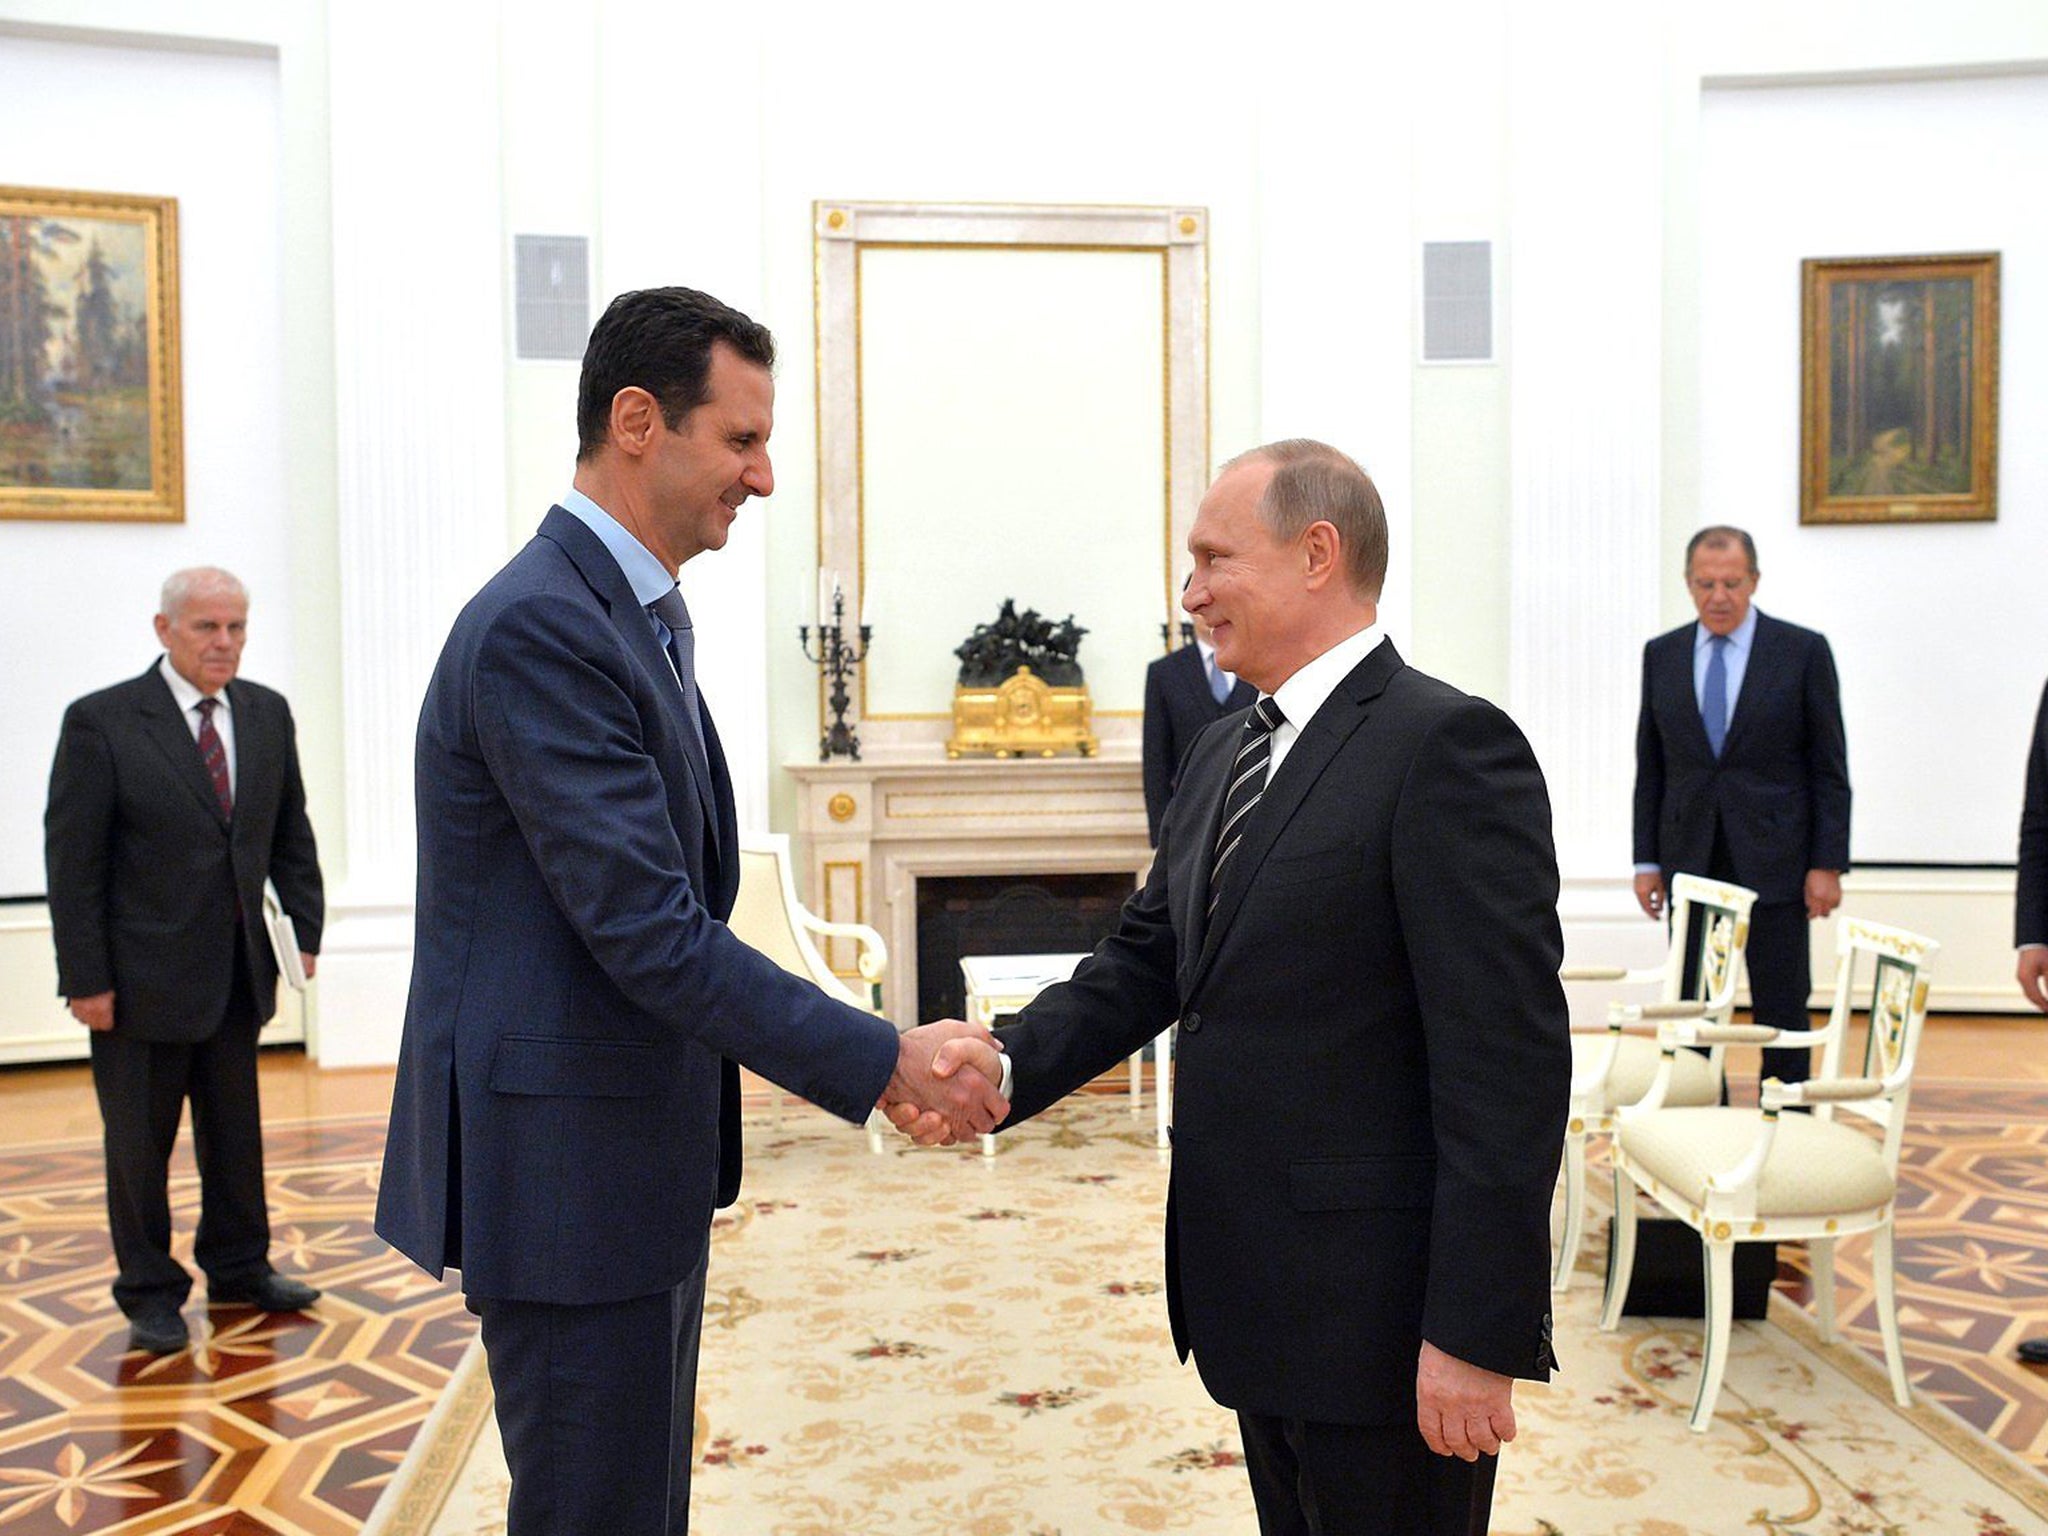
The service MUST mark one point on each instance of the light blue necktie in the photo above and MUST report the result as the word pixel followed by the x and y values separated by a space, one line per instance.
pixel 1219 683
pixel 1714 696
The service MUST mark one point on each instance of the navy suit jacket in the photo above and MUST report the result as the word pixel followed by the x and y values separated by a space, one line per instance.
pixel 1367 1120
pixel 566 1110
pixel 1178 708
pixel 147 878
pixel 2031 910
pixel 1780 789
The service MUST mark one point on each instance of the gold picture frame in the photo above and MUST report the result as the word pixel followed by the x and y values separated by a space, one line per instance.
pixel 1899 389
pixel 91 422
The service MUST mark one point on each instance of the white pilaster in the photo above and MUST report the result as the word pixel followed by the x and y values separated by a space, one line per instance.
pixel 420 363
pixel 1585 254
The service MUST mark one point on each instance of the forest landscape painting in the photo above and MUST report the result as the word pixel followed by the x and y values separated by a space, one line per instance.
pixel 89 407
pixel 1900 389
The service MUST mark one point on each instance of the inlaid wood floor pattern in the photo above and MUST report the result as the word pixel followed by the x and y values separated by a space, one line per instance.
pixel 290 1425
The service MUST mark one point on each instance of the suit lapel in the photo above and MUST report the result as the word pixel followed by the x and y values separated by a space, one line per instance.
pixel 1757 679
pixel 602 572
pixel 1340 717
pixel 164 724
pixel 1678 679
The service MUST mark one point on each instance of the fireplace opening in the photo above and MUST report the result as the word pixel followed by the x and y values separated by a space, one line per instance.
pixel 1005 915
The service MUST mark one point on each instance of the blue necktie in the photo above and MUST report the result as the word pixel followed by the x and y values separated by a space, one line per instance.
pixel 673 614
pixel 1219 681
pixel 1714 696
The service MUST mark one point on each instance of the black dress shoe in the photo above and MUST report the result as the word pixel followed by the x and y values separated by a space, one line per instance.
pixel 158 1331
pixel 270 1292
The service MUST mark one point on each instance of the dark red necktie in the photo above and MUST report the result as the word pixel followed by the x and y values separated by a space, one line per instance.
pixel 215 756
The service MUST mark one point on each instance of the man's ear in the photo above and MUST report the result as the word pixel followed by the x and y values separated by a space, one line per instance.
pixel 1322 550
pixel 635 419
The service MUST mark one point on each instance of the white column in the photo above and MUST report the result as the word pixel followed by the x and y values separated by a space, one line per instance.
pixel 1584 302
pixel 420 366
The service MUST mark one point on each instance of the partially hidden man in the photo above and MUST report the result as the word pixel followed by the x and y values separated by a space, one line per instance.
pixel 1353 915
pixel 566 1114
pixel 173 798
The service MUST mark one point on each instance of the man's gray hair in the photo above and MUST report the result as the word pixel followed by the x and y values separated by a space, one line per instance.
pixel 1313 482
pixel 180 587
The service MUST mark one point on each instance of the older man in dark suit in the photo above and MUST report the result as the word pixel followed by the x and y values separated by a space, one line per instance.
pixel 1353 914
pixel 1186 691
pixel 173 798
pixel 566 1114
pixel 1742 774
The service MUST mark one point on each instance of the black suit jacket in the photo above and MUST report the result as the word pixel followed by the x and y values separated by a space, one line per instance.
pixel 1178 708
pixel 2030 912
pixel 1780 789
pixel 1374 1061
pixel 145 873
pixel 566 1112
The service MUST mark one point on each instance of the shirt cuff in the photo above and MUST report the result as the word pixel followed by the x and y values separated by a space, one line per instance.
pixel 1009 1071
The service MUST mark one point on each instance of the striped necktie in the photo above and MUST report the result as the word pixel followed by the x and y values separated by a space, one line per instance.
pixel 214 755
pixel 1247 783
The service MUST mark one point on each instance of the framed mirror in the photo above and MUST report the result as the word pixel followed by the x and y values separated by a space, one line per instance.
pixel 1013 402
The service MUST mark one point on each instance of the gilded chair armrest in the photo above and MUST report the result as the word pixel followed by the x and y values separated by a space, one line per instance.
pixel 1831 1090
pixel 1740 1181
pixel 874 950
pixel 1688 1010
pixel 1593 973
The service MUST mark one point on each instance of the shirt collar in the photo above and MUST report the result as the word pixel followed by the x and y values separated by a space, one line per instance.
pixel 1311 686
pixel 647 576
pixel 1206 651
pixel 1739 638
pixel 183 691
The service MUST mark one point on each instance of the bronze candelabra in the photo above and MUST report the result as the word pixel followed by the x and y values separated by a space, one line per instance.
pixel 836 658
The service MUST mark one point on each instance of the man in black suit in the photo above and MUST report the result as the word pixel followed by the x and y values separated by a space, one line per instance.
pixel 1353 914
pixel 172 799
pixel 2030 911
pixel 1742 774
pixel 1186 692
pixel 566 1114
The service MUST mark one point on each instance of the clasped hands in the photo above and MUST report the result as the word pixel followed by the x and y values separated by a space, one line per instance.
pixel 944 1087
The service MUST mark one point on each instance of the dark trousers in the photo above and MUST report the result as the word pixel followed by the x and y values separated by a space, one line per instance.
pixel 1312 1479
pixel 596 1405
pixel 142 1086
pixel 1780 969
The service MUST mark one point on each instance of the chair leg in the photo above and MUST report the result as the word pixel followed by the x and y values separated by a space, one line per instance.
pixel 1718 1262
pixel 1888 1313
pixel 1574 1175
pixel 1138 1081
pixel 988 1146
pixel 875 1124
pixel 1820 1252
pixel 1621 1254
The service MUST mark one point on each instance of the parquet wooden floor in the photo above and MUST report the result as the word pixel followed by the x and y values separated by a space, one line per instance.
pixel 290 1425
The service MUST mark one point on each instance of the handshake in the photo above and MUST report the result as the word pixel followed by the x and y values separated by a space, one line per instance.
pixel 944 1087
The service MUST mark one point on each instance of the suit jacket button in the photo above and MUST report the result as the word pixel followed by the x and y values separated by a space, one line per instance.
pixel 1192 1024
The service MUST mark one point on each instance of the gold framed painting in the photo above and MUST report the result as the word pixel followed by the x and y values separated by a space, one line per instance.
pixel 1899 391
pixel 90 415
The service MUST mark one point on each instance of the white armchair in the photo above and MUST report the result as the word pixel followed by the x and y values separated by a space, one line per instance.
pixel 1755 1175
pixel 1612 1066
pixel 769 917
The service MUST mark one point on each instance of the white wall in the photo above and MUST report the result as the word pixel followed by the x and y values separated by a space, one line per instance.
pixel 76 599
pixel 1940 630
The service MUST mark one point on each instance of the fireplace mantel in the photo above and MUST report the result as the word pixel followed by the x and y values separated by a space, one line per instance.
pixel 871 829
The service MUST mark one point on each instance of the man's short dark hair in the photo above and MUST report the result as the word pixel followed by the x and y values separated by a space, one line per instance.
pixel 1718 537
pixel 659 339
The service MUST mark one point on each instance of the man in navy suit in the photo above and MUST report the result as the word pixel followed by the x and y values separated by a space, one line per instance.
pixel 566 1114
pixel 1186 692
pixel 1742 774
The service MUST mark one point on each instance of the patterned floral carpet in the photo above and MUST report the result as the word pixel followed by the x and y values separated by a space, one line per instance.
pixel 931 1342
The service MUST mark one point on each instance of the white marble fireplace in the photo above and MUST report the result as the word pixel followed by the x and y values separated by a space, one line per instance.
pixel 870 830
